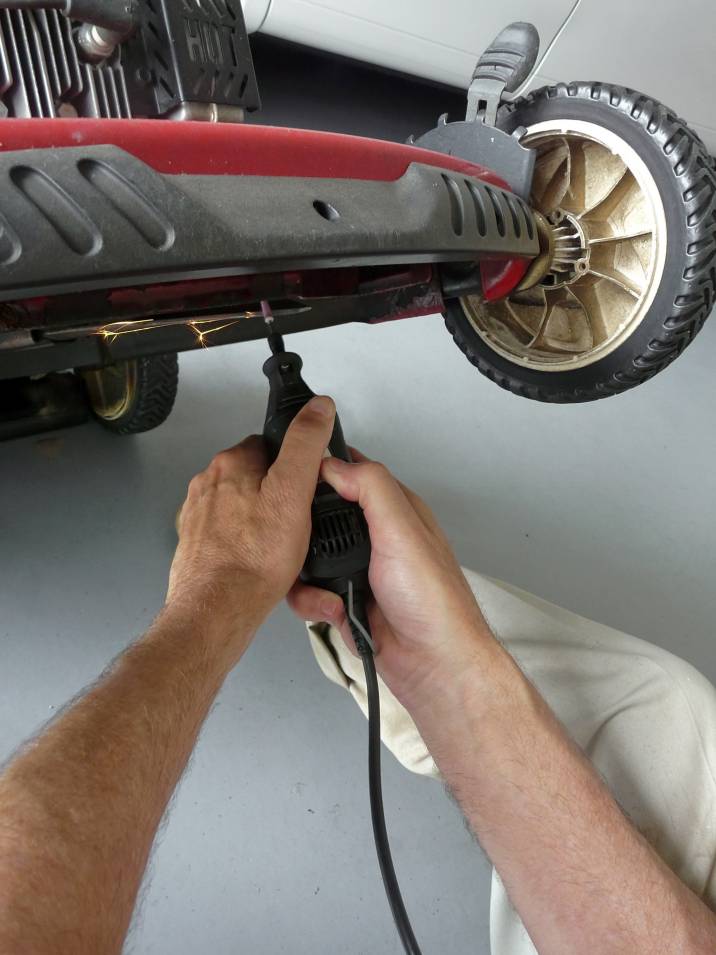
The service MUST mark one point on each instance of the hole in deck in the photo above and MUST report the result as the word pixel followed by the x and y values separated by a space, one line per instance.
pixel 326 210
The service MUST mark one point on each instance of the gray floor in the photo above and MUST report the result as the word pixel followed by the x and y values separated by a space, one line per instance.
pixel 606 508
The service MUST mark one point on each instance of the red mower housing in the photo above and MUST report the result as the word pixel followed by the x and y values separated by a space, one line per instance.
pixel 171 224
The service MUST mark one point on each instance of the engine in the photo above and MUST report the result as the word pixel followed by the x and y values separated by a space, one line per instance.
pixel 175 59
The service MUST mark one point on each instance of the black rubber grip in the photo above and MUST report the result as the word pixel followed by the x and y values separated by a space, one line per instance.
pixel 78 218
pixel 510 57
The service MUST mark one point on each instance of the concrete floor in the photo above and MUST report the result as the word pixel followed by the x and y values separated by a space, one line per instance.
pixel 605 508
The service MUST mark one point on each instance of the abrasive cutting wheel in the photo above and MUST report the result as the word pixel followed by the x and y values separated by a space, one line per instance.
pixel 625 196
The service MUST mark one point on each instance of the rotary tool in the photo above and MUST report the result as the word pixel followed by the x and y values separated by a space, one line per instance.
pixel 338 560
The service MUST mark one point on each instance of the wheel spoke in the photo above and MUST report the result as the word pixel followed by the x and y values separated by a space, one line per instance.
pixel 522 315
pixel 566 329
pixel 608 307
pixel 529 307
pixel 624 212
pixel 626 262
pixel 551 177
pixel 608 275
pixel 596 239
pixel 595 174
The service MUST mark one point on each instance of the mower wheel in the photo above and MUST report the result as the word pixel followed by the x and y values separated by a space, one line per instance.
pixel 628 193
pixel 135 395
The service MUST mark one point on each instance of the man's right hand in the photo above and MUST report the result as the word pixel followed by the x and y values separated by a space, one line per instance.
pixel 425 621
pixel 543 816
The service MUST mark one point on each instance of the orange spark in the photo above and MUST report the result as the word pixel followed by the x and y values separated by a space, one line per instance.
pixel 113 330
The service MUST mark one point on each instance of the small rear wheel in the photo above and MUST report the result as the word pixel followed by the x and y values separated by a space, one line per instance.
pixel 132 396
pixel 627 196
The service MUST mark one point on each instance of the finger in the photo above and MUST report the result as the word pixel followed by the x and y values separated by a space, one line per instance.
pixel 297 465
pixel 246 459
pixel 312 603
pixel 358 456
pixel 374 488
pixel 321 606
pixel 420 508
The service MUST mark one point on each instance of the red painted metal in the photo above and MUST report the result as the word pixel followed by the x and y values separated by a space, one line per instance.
pixel 500 276
pixel 236 149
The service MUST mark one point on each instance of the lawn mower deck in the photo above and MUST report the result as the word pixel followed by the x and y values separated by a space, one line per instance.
pixel 109 222
pixel 130 231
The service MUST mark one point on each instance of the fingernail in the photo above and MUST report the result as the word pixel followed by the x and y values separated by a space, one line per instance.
pixel 329 609
pixel 322 406
pixel 335 464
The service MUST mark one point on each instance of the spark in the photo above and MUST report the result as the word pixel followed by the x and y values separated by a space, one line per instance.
pixel 201 328
pixel 201 335
pixel 112 331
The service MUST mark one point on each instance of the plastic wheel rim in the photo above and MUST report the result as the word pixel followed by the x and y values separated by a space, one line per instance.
pixel 611 260
pixel 112 389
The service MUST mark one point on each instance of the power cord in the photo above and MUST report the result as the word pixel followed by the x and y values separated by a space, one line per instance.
pixel 338 560
pixel 360 628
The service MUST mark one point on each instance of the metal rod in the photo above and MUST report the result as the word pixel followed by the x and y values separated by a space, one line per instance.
pixel 274 339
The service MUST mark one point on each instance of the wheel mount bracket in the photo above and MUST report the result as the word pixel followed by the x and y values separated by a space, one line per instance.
pixel 502 69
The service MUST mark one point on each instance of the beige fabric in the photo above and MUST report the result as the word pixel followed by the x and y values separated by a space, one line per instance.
pixel 646 719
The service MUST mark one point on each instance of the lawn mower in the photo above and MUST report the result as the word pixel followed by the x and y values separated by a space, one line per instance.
pixel 567 236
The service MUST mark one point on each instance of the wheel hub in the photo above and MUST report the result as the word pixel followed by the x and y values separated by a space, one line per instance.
pixel 112 389
pixel 570 250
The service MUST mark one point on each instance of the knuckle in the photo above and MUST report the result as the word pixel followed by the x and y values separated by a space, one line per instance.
pixel 221 464
pixel 196 485
pixel 214 466
pixel 377 472
pixel 417 501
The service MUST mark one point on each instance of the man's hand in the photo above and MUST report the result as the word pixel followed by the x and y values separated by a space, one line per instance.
pixel 79 808
pixel 244 528
pixel 547 822
pixel 416 581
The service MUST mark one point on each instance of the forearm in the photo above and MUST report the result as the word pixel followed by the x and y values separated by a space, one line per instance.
pixel 578 873
pixel 79 807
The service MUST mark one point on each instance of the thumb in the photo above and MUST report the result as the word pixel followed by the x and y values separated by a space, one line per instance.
pixel 376 490
pixel 298 463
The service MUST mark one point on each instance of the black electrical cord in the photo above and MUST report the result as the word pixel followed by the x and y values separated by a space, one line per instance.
pixel 338 560
pixel 361 634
